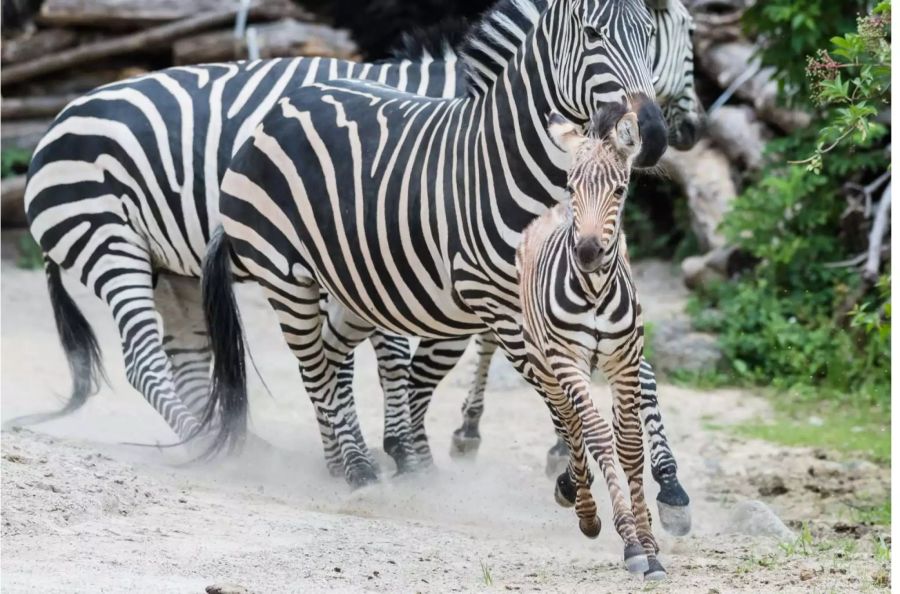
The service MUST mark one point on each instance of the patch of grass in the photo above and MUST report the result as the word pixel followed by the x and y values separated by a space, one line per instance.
pixel 874 513
pixel 30 255
pixel 14 161
pixel 703 380
pixel 486 574
pixel 848 430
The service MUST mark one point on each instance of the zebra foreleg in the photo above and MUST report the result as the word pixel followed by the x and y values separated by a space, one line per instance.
pixel 600 440
pixel 393 356
pixel 467 438
pixel 629 440
pixel 673 502
pixel 578 470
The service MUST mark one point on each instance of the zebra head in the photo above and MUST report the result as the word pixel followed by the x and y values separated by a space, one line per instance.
pixel 672 59
pixel 598 179
pixel 602 58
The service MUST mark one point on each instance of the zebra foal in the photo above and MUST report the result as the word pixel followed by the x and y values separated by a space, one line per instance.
pixel 580 311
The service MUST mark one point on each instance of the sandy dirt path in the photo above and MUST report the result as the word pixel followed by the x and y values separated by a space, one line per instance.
pixel 83 513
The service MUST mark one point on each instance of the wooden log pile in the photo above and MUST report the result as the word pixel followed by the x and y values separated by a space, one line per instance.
pixel 52 51
pixel 68 47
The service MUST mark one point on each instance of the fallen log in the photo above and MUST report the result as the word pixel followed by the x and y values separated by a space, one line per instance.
pixel 112 14
pixel 704 174
pixel 12 206
pixel 284 38
pixel 155 37
pixel 22 108
pixel 37 44
pixel 737 131
pixel 24 134
pixel 727 62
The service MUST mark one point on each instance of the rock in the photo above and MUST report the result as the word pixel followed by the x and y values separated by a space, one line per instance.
pixel 755 518
pixel 226 589
pixel 771 486
pixel 677 346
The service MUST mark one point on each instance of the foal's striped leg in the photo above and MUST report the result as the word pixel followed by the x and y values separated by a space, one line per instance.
pixel 600 441
pixel 629 439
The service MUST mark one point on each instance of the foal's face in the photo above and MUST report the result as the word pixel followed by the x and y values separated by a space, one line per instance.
pixel 597 183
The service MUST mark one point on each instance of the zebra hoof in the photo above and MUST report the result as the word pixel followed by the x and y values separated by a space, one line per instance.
pixel 590 527
pixel 464 446
pixel 564 493
pixel 675 519
pixel 361 476
pixel 636 559
pixel 656 572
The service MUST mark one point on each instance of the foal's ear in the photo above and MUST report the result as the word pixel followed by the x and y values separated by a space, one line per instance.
pixel 565 134
pixel 627 136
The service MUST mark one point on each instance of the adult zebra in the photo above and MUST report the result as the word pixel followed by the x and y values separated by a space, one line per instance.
pixel 123 192
pixel 108 162
pixel 414 228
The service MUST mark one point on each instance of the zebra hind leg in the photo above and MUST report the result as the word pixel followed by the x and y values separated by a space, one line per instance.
pixel 673 502
pixel 467 439
pixel 125 282
pixel 321 344
pixel 180 303
pixel 433 360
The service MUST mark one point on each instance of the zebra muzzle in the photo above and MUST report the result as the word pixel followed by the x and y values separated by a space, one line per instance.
pixel 588 253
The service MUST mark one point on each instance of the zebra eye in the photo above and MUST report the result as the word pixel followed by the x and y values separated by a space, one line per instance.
pixel 570 190
pixel 619 191
pixel 593 35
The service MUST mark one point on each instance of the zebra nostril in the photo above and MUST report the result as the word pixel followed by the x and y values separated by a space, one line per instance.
pixel 587 253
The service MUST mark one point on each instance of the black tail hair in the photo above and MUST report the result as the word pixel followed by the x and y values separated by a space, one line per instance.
pixel 228 388
pixel 79 344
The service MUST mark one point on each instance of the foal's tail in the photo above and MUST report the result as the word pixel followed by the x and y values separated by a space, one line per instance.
pixel 228 388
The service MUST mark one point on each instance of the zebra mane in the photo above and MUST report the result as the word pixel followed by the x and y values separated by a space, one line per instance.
pixel 493 41
pixel 437 42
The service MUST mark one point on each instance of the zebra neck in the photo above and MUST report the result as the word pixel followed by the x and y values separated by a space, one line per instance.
pixel 526 167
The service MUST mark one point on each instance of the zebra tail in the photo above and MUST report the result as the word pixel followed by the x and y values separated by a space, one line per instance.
pixel 228 388
pixel 79 344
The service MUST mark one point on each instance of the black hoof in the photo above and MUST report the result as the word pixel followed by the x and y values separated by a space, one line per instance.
pixel 401 451
pixel 564 493
pixel 636 559
pixel 590 527
pixel 463 445
pixel 656 571
pixel 361 476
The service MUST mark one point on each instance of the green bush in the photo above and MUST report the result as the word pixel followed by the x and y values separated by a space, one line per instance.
pixel 788 321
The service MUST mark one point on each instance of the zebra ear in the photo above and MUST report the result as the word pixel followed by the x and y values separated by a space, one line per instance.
pixel 565 134
pixel 627 136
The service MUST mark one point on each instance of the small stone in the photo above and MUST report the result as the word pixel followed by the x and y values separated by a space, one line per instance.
pixel 806 575
pixel 337 569
pixel 755 518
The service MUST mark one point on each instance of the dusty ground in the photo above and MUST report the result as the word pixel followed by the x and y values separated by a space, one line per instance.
pixel 83 513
